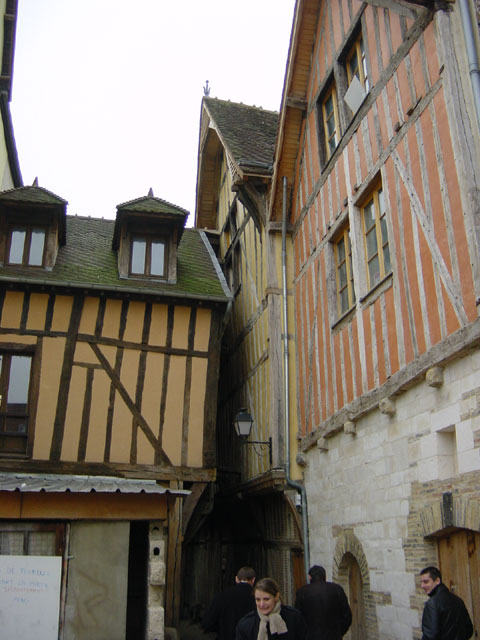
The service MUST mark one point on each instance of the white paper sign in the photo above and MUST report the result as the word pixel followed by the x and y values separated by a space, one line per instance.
pixel 30 597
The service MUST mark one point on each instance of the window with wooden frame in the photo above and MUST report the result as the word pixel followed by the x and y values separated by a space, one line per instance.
pixel 15 374
pixel 374 224
pixel 330 121
pixel 356 63
pixel 343 271
pixel 148 256
pixel 26 246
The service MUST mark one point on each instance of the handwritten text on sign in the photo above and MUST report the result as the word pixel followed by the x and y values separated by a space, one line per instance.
pixel 30 596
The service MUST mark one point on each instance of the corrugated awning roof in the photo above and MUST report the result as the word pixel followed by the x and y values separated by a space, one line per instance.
pixel 58 483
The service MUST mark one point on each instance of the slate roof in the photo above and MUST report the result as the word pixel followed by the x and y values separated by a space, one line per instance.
pixel 31 194
pixel 152 204
pixel 249 133
pixel 87 260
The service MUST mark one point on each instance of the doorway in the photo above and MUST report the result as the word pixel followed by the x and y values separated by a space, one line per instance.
pixel 459 562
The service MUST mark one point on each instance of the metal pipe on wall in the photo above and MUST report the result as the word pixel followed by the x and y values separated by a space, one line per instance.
pixel 466 14
pixel 286 378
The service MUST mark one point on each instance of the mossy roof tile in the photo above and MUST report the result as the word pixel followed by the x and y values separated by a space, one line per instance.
pixel 88 260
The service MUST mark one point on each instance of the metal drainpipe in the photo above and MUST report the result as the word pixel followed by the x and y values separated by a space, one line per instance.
pixel 471 53
pixel 296 485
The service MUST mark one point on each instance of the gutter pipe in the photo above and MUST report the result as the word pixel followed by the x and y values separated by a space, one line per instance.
pixel 471 53
pixel 291 483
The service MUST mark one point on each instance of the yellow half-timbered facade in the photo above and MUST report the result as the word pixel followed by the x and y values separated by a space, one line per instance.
pixel 109 351
pixel 252 517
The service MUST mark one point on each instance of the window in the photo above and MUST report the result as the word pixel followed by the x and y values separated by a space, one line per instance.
pixel 331 128
pixel 356 63
pixel 26 246
pixel 376 237
pixel 14 402
pixel 233 267
pixel 147 256
pixel 344 272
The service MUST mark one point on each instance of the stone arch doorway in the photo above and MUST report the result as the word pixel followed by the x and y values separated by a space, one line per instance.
pixel 350 569
pixel 355 593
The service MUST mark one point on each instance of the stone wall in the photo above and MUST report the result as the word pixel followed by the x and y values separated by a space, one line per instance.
pixel 156 581
pixel 376 491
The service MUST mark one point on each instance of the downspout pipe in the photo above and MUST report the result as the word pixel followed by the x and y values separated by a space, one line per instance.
pixel 286 379
pixel 472 56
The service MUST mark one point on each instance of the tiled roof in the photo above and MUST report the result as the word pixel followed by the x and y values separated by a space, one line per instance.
pixel 248 132
pixel 33 194
pixel 151 204
pixel 88 260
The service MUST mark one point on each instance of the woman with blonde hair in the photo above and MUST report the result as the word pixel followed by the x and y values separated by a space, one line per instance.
pixel 272 620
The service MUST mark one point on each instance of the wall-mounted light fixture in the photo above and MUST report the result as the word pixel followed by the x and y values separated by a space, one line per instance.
pixel 243 422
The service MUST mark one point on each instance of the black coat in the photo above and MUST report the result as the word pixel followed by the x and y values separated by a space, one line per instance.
pixel 445 616
pixel 227 608
pixel 325 607
pixel 247 628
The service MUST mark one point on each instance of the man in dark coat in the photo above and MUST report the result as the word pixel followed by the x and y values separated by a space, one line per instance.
pixel 230 605
pixel 324 606
pixel 445 616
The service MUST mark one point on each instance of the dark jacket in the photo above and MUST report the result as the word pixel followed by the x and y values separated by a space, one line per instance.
pixel 445 616
pixel 325 607
pixel 247 628
pixel 227 608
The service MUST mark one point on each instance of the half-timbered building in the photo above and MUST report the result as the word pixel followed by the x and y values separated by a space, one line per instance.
pixel 380 149
pixel 252 517
pixel 109 352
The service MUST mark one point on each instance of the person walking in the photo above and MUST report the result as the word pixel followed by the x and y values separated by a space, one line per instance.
pixel 271 620
pixel 324 606
pixel 230 605
pixel 445 616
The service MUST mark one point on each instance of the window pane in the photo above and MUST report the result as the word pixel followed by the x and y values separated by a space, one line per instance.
pixel 19 381
pixel 138 256
pixel 374 271
pixel 41 543
pixel 16 246
pixel 37 244
pixel 371 243
pixel 157 266
pixel 369 216
pixel 11 543
pixel 344 301
pixel 342 275
pixel 386 259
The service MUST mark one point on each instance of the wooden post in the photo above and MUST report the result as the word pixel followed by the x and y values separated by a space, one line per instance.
pixel 174 559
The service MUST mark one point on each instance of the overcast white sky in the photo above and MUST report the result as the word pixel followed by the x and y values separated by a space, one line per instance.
pixel 107 93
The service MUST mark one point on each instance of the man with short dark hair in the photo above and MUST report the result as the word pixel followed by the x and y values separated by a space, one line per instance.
pixel 445 616
pixel 324 606
pixel 230 605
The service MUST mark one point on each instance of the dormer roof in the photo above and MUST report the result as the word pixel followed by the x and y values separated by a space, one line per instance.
pixel 151 209
pixel 36 199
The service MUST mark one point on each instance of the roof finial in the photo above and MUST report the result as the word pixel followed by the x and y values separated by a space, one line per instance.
pixel 150 193
pixel 35 182
pixel 206 89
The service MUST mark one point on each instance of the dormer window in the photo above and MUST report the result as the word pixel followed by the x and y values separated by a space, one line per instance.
pixel 148 256
pixel 26 246
pixel 146 235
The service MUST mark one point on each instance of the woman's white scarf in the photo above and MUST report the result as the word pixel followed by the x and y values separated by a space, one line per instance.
pixel 277 623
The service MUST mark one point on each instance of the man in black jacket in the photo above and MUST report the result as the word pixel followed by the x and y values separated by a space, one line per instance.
pixel 324 606
pixel 230 605
pixel 445 616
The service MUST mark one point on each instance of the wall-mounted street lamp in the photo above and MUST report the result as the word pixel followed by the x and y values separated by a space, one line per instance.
pixel 243 422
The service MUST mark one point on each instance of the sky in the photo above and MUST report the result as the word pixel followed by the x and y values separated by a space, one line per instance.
pixel 107 93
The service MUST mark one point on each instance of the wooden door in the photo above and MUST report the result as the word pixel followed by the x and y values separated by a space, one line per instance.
pixel 459 560
pixel 298 570
pixel 355 589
